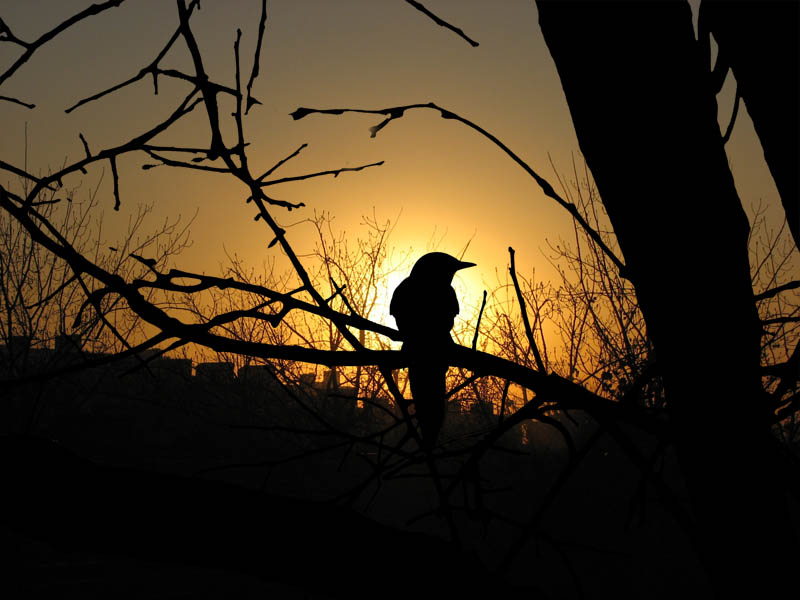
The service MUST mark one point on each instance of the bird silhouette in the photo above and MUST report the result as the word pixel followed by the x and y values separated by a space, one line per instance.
pixel 424 306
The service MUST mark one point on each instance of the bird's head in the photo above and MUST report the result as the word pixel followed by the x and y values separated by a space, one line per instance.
pixel 438 266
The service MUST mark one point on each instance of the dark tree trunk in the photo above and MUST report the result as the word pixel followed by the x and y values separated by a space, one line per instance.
pixel 759 41
pixel 645 117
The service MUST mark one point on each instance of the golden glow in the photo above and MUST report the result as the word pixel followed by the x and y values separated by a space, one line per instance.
pixel 443 183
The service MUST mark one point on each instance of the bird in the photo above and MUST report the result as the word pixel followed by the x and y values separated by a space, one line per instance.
pixel 424 306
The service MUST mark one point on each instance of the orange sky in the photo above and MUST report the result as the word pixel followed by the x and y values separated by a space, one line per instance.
pixel 444 182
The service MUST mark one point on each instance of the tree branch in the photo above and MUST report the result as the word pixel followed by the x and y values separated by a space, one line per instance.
pixel 792 285
pixel 399 111
pixel 16 101
pixel 152 68
pixel 262 24
pixel 31 47
pixel 732 122
pixel 334 172
pixel 528 332
pixel 442 22
pixel 278 164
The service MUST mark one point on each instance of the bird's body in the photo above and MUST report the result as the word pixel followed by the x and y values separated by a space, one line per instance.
pixel 424 306
pixel 424 310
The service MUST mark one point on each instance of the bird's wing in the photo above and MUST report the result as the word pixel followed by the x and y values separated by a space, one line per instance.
pixel 422 311
pixel 401 307
pixel 452 300
pixel 448 309
pixel 399 300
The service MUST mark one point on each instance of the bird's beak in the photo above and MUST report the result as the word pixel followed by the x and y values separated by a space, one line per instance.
pixel 464 265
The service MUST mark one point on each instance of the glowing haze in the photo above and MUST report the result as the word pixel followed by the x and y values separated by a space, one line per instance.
pixel 445 185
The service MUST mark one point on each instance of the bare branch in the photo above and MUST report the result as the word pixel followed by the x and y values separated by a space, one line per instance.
pixel 281 162
pixel 31 47
pixel 792 285
pixel 290 206
pixel 110 90
pixel 780 320
pixel 132 145
pixel 732 122
pixel 85 146
pixel 16 101
pixel 155 72
pixel 398 112
pixel 152 68
pixel 113 160
pixel 789 372
pixel 478 324
pixel 334 172
pixel 237 114
pixel 442 22
pixel 168 162
pixel 791 405
pixel 8 36
pixel 531 341
pixel 262 24
pixel 19 172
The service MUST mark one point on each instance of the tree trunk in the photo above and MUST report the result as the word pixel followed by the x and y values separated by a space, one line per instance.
pixel 759 41
pixel 645 117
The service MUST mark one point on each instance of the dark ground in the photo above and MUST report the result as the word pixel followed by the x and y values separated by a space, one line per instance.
pixel 600 538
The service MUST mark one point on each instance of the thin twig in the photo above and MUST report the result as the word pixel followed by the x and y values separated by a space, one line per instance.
pixel 113 160
pixel 397 112
pixel 85 145
pixel 442 22
pixel 731 123
pixel 334 172
pixel 792 285
pixel 31 47
pixel 151 69
pixel 478 324
pixel 262 24
pixel 17 101
pixel 528 332
pixel 281 162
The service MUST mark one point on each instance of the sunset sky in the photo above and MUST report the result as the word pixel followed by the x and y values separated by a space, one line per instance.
pixel 442 183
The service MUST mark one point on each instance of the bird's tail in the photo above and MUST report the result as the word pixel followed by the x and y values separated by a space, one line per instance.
pixel 428 389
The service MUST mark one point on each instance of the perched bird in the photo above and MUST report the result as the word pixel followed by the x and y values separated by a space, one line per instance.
pixel 424 306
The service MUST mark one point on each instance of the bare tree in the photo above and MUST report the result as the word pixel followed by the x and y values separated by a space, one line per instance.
pixel 51 320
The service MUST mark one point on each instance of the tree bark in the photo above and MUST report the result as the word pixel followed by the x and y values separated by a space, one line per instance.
pixel 760 42
pixel 645 118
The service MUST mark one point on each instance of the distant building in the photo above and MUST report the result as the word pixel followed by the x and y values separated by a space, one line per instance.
pixel 259 375
pixel 216 372
pixel 68 344
pixel 308 379
pixel 16 350
pixel 481 407
pixel 19 344
pixel 179 368
pixel 348 391
pixel 330 380
pixel 148 354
